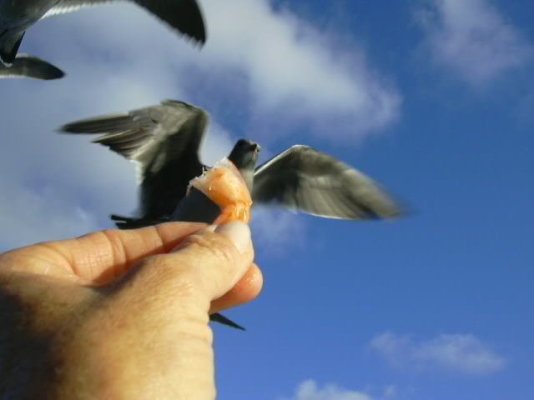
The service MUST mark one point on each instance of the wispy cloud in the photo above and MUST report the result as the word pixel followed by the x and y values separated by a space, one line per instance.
pixel 472 39
pixel 276 230
pixel 309 390
pixel 31 214
pixel 281 63
pixel 296 71
pixel 119 58
pixel 456 352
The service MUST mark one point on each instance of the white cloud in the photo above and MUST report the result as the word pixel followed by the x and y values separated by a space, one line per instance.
pixel 455 352
pixel 118 58
pixel 285 67
pixel 295 70
pixel 40 214
pixel 308 390
pixel 390 391
pixel 472 39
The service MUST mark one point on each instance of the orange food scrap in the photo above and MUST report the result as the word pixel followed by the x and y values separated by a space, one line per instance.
pixel 225 186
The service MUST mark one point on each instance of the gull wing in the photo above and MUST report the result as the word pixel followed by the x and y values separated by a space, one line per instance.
pixel 31 67
pixel 307 180
pixel 163 140
pixel 182 15
pixel 66 6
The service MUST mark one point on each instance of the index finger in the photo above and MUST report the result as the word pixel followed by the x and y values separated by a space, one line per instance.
pixel 100 257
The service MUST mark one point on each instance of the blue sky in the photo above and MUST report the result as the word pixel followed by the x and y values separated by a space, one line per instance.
pixel 431 98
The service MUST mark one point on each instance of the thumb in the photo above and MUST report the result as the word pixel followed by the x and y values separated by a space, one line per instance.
pixel 203 267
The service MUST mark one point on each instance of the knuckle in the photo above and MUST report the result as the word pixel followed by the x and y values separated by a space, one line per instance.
pixel 167 274
pixel 213 246
pixel 113 239
pixel 161 269
pixel 159 263
pixel 201 264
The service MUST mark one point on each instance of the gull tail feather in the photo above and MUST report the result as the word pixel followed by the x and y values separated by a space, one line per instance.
pixel 221 319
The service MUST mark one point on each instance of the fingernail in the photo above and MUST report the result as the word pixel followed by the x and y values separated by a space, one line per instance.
pixel 238 233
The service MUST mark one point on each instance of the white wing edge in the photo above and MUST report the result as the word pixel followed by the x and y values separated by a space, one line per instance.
pixel 67 6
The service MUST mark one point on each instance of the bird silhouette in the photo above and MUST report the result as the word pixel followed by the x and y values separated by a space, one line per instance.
pixel 30 67
pixel 16 16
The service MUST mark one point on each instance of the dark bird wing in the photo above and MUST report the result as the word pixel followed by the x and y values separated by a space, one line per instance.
pixel 304 179
pixel 9 46
pixel 163 140
pixel 31 67
pixel 182 15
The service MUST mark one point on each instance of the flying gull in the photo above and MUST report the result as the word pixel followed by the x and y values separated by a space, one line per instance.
pixel 16 16
pixel 164 141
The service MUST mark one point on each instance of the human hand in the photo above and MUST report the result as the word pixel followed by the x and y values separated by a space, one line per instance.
pixel 120 314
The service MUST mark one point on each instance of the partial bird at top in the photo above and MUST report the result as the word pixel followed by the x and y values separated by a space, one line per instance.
pixel 16 16
pixel 165 139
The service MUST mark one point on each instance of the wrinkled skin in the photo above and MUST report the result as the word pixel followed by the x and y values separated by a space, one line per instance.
pixel 120 314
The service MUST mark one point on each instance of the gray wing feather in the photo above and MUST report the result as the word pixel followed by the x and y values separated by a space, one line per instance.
pixel 182 15
pixel 304 179
pixel 66 6
pixel 164 140
pixel 158 133
pixel 31 67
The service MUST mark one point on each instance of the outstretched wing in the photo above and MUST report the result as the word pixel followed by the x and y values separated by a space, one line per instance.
pixel 163 140
pixel 307 180
pixel 182 15
pixel 31 67
pixel 66 6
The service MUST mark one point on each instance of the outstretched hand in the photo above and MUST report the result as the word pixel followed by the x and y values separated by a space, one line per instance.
pixel 121 314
